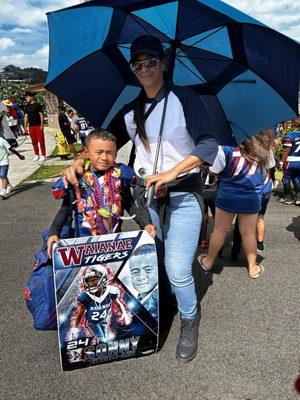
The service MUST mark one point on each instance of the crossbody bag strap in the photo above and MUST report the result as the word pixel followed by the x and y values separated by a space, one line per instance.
pixel 163 92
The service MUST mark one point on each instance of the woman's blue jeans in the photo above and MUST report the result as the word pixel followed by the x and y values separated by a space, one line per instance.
pixel 180 235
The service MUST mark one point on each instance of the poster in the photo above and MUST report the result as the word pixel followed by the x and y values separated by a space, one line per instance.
pixel 107 298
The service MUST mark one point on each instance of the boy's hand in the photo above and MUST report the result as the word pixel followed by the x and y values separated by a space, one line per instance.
pixel 69 174
pixel 21 157
pixel 151 230
pixel 51 240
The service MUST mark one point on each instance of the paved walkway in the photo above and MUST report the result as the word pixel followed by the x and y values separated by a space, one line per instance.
pixel 20 170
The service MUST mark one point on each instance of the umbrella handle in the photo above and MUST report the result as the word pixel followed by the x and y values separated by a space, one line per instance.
pixel 150 195
pixel 150 191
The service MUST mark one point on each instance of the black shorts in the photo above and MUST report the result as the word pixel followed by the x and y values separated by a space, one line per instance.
pixel 209 198
pixel 71 139
pixel 264 204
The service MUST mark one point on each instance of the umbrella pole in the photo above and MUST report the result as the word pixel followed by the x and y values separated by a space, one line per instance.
pixel 150 191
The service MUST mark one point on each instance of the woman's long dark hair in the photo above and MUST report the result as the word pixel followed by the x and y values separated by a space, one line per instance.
pixel 139 118
pixel 139 113
pixel 257 149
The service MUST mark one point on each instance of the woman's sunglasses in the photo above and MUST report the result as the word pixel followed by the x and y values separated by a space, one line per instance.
pixel 138 65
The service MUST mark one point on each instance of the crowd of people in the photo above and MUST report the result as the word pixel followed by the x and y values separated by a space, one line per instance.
pixel 19 122
pixel 237 180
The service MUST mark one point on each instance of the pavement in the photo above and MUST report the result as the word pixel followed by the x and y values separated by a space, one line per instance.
pixel 249 331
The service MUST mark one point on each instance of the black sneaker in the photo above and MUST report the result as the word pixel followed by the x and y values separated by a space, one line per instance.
pixel 260 246
pixel 188 340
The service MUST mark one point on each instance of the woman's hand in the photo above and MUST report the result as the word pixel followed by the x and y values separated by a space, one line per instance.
pixel 151 230
pixel 161 180
pixel 51 240
pixel 69 174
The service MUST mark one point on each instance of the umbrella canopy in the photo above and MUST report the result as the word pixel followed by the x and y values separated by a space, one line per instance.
pixel 246 74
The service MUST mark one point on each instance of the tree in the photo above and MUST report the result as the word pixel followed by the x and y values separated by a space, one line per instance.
pixel 17 90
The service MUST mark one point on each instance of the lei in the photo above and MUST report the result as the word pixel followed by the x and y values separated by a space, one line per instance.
pixel 102 208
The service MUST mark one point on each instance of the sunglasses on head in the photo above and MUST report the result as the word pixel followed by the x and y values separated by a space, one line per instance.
pixel 138 65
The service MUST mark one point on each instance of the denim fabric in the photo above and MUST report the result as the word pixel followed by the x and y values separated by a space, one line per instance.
pixel 3 171
pixel 180 234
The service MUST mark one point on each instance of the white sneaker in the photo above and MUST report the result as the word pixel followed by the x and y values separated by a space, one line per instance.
pixel 36 158
pixel 9 188
pixel 42 158
pixel 3 194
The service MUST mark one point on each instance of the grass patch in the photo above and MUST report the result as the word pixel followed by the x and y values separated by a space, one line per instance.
pixel 46 172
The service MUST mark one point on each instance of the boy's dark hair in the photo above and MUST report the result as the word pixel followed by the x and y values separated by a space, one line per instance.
pixel 144 249
pixel 100 134
pixel 69 111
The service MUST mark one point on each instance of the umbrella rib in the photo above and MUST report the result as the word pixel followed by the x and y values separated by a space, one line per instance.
pixel 138 22
pixel 191 70
pixel 200 40
pixel 223 111
pixel 203 58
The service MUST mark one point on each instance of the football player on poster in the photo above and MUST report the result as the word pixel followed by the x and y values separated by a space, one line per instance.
pixel 96 303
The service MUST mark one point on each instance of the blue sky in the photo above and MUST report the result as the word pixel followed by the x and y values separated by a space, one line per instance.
pixel 24 32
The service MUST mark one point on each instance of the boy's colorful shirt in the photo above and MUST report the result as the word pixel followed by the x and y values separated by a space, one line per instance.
pixel 292 140
pixel 99 198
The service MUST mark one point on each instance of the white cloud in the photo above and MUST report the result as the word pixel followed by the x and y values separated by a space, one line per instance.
pixel 5 43
pixel 281 15
pixel 26 13
pixel 20 30
pixel 39 59
pixel 26 35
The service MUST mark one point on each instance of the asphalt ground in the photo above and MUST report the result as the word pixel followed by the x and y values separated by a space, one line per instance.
pixel 249 332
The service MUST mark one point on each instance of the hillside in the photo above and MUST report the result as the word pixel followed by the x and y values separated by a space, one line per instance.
pixel 30 75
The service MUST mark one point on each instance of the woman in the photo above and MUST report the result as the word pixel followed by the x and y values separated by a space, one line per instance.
pixel 186 144
pixel 241 174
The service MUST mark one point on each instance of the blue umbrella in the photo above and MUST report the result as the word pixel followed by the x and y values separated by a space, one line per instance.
pixel 245 73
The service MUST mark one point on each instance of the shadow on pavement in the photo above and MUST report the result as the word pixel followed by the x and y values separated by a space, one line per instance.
pixel 24 187
pixel 294 227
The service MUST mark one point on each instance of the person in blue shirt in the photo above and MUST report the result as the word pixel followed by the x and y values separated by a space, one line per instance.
pixel 83 128
pixel 290 161
pixel 241 173
pixel 261 226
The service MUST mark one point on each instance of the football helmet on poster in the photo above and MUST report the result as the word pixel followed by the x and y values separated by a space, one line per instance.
pixel 95 278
